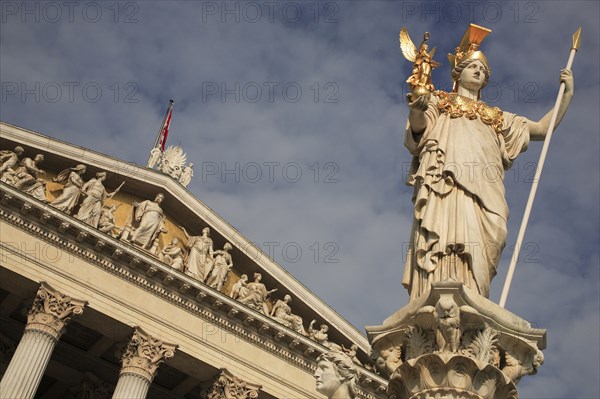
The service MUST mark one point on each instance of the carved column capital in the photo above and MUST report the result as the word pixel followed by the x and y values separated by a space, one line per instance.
pixel 52 310
pixel 144 353
pixel 228 386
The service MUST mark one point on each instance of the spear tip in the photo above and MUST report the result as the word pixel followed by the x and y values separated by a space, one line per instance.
pixel 576 39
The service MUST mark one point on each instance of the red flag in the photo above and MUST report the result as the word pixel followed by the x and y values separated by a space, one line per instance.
pixel 165 128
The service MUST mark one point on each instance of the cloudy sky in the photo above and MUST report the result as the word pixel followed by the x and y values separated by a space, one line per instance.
pixel 293 115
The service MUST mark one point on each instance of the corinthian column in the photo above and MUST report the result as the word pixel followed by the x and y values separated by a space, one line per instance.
pixel 139 363
pixel 46 321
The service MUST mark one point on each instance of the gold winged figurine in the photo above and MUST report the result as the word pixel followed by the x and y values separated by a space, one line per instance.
pixel 420 80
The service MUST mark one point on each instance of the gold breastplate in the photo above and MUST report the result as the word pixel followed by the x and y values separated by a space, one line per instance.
pixel 456 106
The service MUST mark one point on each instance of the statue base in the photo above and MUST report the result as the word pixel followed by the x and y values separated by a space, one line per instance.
pixel 454 343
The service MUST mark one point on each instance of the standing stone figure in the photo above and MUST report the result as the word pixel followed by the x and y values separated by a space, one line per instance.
pixel 151 220
pixel 155 154
pixel 257 294
pixel 222 264
pixel 186 175
pixel 460 148
pixel 72 189
pixel 200 258
pixel 29 180
pixel 95 194
pixel 336 375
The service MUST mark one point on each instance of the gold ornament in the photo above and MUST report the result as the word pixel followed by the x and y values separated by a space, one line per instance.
pixel 420 80
pixel 456 106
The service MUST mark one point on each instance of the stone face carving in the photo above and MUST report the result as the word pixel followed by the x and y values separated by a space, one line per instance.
pixel 172 255
pixel 28 178
pixel 200 258
pixel 336 375
pixel 144 353
pixel 72 178
pixel 222 264
pixel 448 331
pixel 282 312
pixel 172 161
pixel 51 311
pixel 256 295
pixel 92 204
pixel 387 360
pixel 228 386
pixel 150 217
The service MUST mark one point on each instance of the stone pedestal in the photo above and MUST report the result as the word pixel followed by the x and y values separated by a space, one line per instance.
pixel 46 321
pixel 454 343
pixel 139 363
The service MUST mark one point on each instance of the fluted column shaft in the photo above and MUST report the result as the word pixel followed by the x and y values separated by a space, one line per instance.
pixel 139 362
pixel 46 321
pixel 131 386
pixel 25 371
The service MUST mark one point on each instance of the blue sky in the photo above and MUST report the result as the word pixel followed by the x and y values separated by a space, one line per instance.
pixel 293 114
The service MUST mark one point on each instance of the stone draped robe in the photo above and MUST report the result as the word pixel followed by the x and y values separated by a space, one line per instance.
pixel 151 218
pixel 459 197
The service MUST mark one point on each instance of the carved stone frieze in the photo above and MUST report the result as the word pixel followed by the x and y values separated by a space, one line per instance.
pixel 130 264
pixel 455 343
pixel 228 386
pixel 144 353
pixel 52 310
pixel 449 375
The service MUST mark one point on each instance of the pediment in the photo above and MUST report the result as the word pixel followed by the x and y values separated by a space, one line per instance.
pixel 182 208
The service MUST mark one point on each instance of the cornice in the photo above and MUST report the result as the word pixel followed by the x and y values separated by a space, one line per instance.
pixel 137 267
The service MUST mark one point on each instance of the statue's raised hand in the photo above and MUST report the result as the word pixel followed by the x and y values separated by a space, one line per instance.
pixel 420 103
pixel 566 77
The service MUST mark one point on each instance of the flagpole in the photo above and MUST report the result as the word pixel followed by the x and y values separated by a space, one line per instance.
pixel 162 125
pixel 538 173
pixel 166 120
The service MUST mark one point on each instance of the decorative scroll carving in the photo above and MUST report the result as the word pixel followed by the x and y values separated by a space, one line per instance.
pixel 228 386
pixel 144 353
pixel 52 310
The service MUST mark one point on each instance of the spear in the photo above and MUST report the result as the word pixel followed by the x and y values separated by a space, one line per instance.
pixel 538 173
